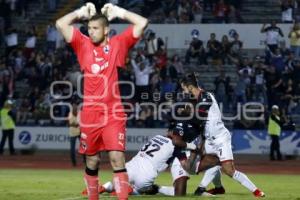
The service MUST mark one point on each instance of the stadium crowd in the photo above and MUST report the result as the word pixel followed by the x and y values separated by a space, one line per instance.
pixel 270 78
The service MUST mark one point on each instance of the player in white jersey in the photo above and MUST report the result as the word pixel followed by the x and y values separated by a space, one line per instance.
pixel 154 157
pixel 217 137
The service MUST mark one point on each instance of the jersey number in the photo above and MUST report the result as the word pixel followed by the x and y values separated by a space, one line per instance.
pixel 153 148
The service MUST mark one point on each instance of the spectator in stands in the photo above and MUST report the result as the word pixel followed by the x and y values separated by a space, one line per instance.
pixel 5 13
pixel 152 45
pixel 287 96
pixel 168 71
pixel 294 36
pixel 7 82
pixel 51 35
pixel 274 85
pixel 195 50
pixel 274 130
pixel 277 60
pixel 22 7
pixel 226 45
pixel 12 5
pixel 248 122
pixel 51 5
pixel 155 80
pixel 209 4
pixel 74 132
pixel 167 87
pixel 287 7
pixel 11 40
pixel 161 56
pixel 273 33
pixel 142 70
pixel 23 111
pixel 290 65
pixel 145 117
pixel 236 6
pixel 8 127
pixel 169 5
pixel 236 46
pixel 42 109
pixel 30 42
pixel 176 62
pixel 296 71
pixel 241 87
pixel 214 49
pixel 185 12
pixel 171 18
pixel 221 12
pixel 19 62
pixel 259 81
pixel 222 89
pixel 197 12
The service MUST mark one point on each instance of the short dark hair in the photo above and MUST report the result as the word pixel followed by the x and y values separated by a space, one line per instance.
pixel 100 17
pixel 189 79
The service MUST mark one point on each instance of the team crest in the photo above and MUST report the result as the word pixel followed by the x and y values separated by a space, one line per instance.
pixel 106 49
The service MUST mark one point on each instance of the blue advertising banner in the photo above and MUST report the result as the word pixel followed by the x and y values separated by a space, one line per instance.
pixel 243 141
pixel 258 142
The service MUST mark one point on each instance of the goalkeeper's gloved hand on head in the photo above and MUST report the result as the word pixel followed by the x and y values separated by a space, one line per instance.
pixel 86 12
pixel 112 11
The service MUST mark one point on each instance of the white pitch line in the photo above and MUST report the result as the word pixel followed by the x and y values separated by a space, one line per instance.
pixel 71 198
pixel 106 197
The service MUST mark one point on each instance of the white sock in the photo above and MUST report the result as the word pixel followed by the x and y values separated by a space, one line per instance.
pixel 217 179
pixel 109 187
pixel 135 192
pixel 208 176
pixel 244 180
pixel 167 190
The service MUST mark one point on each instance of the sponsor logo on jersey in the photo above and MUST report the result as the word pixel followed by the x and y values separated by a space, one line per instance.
pixel 97 68
pixel 83 135
pixel 99 59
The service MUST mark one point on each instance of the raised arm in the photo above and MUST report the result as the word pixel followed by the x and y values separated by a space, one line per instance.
pixel 65 24
pixel 262 30
pixel 139 23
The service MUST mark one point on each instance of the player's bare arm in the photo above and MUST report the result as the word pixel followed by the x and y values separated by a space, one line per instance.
pixel 139 23
pixel 65 24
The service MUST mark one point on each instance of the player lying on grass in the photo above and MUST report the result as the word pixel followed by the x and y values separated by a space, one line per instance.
pixel 217 137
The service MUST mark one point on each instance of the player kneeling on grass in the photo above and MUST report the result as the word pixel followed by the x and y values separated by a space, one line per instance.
pixel 155 157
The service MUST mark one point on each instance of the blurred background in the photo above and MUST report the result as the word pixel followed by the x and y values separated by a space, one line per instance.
pixel 247 52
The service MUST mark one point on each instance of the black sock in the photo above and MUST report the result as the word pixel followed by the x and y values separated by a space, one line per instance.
pixel 120 170
pixel 91 172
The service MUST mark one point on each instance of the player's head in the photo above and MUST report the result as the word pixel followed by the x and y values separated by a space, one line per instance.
pixel 186 131
pixel 189 83
pixel 275 110
pixel 98 28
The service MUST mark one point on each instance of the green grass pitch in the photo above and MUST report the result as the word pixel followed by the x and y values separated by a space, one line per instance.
pixel 67 185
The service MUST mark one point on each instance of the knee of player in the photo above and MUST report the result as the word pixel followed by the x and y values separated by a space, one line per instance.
pixel 228 170
pixel 117 162
pixel 92 161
